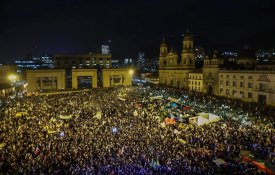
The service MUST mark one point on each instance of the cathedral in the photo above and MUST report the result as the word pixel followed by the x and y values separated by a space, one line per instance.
pixel 172 71
pixel 247 81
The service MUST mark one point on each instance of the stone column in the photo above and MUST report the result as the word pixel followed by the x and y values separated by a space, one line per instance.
pixel 41 83
pixel 52 82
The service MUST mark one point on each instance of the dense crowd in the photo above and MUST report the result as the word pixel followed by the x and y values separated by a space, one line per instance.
pixel 119 131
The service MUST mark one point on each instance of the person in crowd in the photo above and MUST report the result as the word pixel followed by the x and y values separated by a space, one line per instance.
pixel 119 131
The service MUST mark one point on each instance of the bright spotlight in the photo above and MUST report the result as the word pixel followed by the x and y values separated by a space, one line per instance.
pixel 131 71
pixel 12 77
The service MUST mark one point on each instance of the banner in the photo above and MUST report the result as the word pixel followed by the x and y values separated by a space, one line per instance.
pixel 170 121
pixel 173 99
pixel 122 99
pixel 65 117
pixel 156 97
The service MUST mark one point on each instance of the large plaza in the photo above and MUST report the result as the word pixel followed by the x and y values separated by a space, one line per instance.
pixel 133 130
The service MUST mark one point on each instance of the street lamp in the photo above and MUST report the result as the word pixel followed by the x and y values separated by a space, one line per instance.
pixel 131 71
pixel 12 77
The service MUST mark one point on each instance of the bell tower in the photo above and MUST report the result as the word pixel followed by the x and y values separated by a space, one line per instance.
pixel 163 48
pixel 163 53
pixel 188 55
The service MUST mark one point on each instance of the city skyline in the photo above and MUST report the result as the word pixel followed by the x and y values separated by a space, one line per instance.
pixel 130 27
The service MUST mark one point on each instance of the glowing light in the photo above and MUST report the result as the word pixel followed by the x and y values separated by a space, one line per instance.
pixel 12 77
pixel 131 71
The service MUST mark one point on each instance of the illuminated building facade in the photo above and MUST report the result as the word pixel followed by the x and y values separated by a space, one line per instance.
pixel 116 77
pixel 174 71
pixel 229 75
pixel 195 81
pixel 5 71
pixel 90 60
pixel 55 79
pixel 248 85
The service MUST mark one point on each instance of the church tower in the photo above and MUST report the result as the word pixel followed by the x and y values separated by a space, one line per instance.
pixel 163 53
pixel 188 55
pixel 211 73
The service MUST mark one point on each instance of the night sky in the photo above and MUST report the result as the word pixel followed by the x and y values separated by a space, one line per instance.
pixel 80 26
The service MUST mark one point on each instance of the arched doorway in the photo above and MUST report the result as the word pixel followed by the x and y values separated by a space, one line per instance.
pixel 210 89
pixel 84 82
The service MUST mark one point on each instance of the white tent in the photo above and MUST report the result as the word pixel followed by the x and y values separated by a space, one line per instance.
pixel 197 121
pixel 203 114
pixel 213 117
pixel 202 120
pixel 209 116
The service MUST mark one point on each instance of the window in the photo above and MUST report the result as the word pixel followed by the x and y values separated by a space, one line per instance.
pixel 250 95
pixel 241 77
pixel 234 76
pixel 241 84
pixel 250 85
pixel 241 94
pixel 117 79
pixel 227 91
pixel 233 92
pixel 250 77
pixel 195 83
pixel 221 82
pixel 199 83
pixel 262 87
pixel 221 76
pixel 227 83
pixel 234 83
pixel 227 76
pixel 221 90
